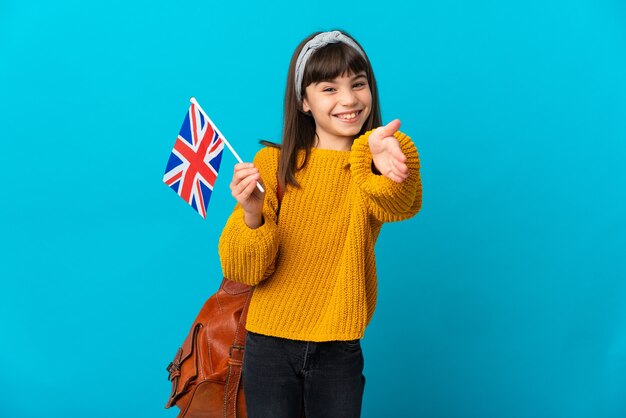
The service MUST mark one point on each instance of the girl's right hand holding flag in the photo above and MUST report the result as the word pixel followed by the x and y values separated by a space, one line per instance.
pixel 244 190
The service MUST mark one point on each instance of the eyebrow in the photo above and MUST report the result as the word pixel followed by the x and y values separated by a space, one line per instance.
pixel 361 74
pixel 354 77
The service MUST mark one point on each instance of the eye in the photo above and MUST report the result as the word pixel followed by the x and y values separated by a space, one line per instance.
pixel 328 89
pixel 359 84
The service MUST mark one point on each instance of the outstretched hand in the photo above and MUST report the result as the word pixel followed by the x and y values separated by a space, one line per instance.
pixel 387 154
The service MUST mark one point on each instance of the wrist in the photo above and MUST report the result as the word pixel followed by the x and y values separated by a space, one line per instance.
pixel 253 221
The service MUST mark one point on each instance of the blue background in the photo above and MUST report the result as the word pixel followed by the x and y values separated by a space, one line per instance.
pixel 504 297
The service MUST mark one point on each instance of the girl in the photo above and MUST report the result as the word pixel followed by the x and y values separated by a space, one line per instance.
pixel 313 266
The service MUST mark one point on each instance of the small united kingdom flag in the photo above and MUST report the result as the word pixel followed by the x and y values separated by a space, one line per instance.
pixel 195 160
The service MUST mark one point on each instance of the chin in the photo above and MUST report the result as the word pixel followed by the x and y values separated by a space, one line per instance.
pixel 356 131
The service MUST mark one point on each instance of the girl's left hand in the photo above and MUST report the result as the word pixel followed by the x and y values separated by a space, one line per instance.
pixel 387 154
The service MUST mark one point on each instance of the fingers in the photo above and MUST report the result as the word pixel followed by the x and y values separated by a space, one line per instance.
pixel 394 149
pixel 393 169
pixel 250 185
pixel 387 130
pixel 396 170
pixel 392 127
pixel 244 181
pixel 399 171
pixel 397 153
pixel 245 188
pixel 243 170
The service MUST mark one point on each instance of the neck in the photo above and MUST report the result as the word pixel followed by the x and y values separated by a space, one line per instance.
pixel 335 144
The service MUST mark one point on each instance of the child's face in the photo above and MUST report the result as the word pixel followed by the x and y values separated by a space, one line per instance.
pixel 340 107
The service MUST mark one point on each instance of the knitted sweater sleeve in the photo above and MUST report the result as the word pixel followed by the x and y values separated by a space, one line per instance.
pixel 388 201
pixel 247 255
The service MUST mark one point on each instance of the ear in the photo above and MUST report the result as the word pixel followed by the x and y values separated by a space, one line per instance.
pixel 305 106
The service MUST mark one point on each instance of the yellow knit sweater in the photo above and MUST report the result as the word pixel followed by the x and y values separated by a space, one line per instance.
pixel 315 268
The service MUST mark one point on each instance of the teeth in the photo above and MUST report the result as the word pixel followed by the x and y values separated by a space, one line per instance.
pixel 347 116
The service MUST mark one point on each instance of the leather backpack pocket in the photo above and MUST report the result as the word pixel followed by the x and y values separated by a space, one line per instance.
pixel 183 370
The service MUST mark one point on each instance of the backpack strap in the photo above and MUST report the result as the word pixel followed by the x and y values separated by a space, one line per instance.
pixel 279 194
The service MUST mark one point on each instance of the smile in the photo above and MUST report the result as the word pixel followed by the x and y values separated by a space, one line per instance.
pixel 349 116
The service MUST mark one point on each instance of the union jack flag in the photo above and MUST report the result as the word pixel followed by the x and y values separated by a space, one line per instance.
pixel 195 160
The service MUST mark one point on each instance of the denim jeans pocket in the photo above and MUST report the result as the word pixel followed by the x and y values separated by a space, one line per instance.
pixel 351 344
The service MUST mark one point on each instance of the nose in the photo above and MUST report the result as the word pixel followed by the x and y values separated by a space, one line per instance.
pixel 348 97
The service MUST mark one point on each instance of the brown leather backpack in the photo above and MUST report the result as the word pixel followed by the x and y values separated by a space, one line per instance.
pixel 206 371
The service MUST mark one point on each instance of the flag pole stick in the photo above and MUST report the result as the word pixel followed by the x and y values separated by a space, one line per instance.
pixel 194 101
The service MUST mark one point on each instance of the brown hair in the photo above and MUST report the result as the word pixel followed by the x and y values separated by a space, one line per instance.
pixel 327 63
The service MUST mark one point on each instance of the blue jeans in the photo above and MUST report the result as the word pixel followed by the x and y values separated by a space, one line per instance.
pixel 282 376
